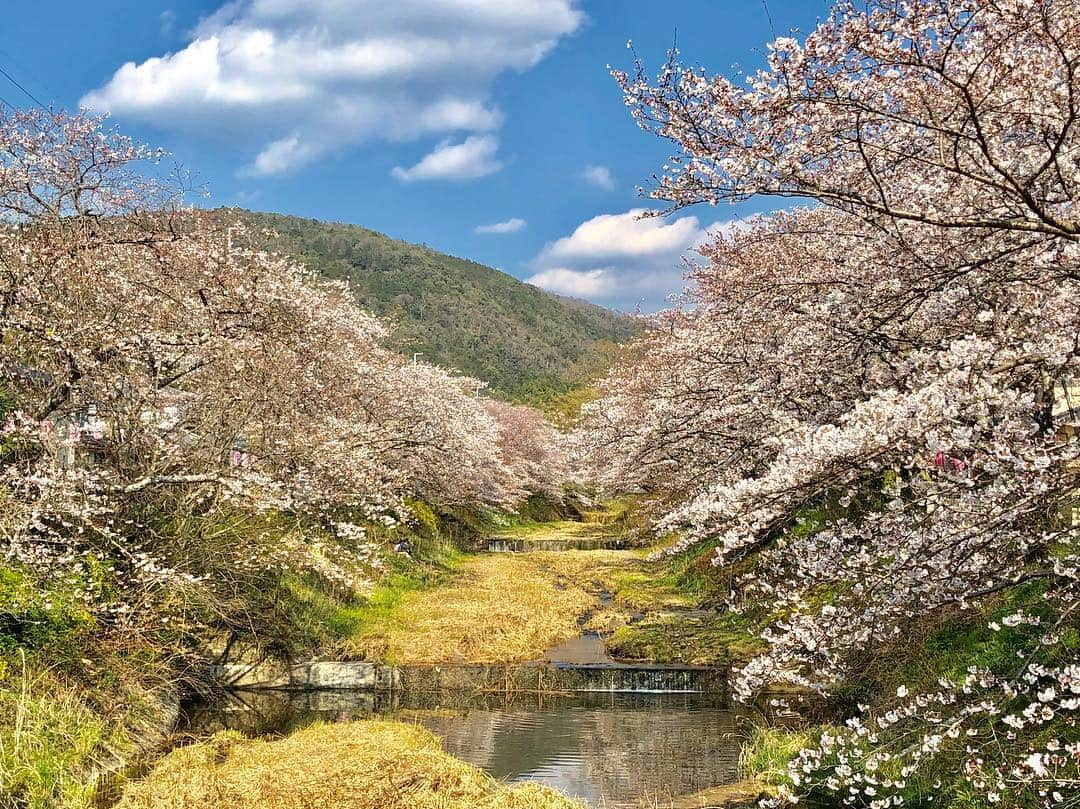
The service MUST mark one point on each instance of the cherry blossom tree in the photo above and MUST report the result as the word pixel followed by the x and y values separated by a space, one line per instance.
pixel 163 369
pixel 536 454
pixel 866 399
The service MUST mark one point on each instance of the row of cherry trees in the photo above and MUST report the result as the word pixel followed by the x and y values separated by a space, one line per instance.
pixel 156 366
pixel 898 353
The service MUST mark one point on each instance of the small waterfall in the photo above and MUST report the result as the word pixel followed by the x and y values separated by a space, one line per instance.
pixel 639 679
pixel 563 678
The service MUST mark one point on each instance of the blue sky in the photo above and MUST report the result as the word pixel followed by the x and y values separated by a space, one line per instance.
pixel 488 129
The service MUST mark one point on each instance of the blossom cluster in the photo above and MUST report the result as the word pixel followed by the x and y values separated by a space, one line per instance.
pixel 868 402
pixel 160 370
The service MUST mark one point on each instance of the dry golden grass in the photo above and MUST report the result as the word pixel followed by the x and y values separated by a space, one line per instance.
pixel 512 607
pixel 500 608
pixel 355 765
pixel 565 529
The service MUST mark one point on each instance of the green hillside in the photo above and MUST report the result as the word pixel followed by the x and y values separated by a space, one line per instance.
pixel 527 344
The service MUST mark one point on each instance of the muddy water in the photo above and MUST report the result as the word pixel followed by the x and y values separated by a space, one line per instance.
pixel 613 750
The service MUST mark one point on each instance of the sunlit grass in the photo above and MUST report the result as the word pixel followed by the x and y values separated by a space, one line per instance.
pixel 767 752
pixel 356 765
pixel 49 740
pixel 59 739
pixel 497 608
pixel 693 640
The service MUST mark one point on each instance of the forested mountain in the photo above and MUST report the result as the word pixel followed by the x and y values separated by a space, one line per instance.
pixel 527 344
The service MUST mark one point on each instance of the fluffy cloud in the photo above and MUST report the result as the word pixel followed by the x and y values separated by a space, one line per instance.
pixel 625 260
pixel 632 235
pixel 311 76
pixel 512 225
pixel 468 160
pixel 600 176
pixel 575 283
pixel 280 156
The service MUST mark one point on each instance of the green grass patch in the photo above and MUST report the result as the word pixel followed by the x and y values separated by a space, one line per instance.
pixel 51 620
pixel 691 640
pixel 62 737
pixel 322 619
pixel 358 629
pixel 767 752
pixel 51 743
pixel 945 644
pixel 642 590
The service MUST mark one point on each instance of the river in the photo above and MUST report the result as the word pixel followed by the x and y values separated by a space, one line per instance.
pixel 612 750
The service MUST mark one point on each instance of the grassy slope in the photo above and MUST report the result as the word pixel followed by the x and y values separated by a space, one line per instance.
pixel 527 344
pixel 78 705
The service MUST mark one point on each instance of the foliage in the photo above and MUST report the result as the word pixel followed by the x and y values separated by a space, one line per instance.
pixel 528 345
pixel 899 356
pixel 59 738
pixel 54 621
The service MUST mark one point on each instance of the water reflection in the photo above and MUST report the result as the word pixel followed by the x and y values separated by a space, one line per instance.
pixel 612 750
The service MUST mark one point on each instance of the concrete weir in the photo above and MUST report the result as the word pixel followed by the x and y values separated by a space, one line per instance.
pixel 585 543
pixel 530 677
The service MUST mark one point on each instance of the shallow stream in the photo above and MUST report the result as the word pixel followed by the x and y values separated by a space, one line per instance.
pixel 613 750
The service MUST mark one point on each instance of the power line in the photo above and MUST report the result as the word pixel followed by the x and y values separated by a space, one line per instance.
pixel 31 96
pixel 24 70
pixel 768 16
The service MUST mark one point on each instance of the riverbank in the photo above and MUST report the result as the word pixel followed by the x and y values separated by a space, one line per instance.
pixel 81 700
pixel 79 720
pixel 357 765
pixel 513 607
pixel 625 750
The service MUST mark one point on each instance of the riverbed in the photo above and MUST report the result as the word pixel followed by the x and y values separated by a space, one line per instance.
pixel 612 750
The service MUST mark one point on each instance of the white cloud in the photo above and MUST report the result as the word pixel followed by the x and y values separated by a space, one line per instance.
pixel 512 225
pixel 291 80
pixel 280 156
pixel 600 176
pixel 575 283
pixel 623 259
pixel 469 160
pixel 630 235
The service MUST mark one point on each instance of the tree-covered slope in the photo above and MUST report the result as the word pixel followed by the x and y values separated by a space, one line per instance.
pixel 525 343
